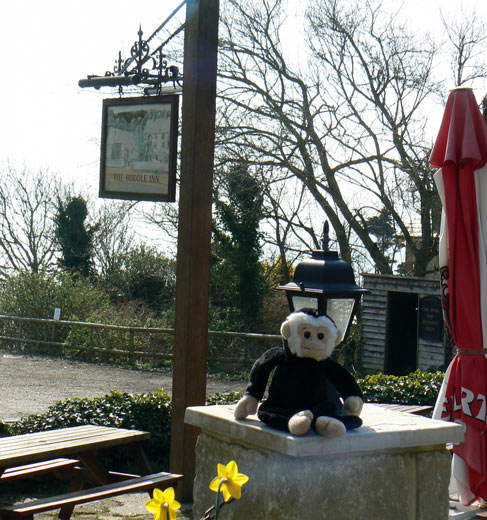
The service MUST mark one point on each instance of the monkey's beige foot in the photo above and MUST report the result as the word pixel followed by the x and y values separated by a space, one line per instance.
pixel 300 423
pixel 330 427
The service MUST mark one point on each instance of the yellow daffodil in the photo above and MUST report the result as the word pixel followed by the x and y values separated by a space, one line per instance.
pixel 229 481
pixel 162 505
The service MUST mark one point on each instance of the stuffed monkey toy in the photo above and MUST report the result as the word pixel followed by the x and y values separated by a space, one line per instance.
pixel 303 393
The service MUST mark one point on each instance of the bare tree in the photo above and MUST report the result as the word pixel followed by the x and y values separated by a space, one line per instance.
pixel 345 121
pixel 161 216
pixel 27 208
pixel 467 38
pixel 114 236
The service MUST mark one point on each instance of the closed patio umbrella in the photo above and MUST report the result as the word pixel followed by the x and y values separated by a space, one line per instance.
pixel 460 154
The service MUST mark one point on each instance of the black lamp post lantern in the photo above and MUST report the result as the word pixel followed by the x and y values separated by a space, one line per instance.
pixel 326 283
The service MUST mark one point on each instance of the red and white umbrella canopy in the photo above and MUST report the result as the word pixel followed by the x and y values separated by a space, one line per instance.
pixel 460 153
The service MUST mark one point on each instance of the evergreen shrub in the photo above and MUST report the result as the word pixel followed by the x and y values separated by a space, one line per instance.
pixel 417 388
pixel 148 412
pixel 36 295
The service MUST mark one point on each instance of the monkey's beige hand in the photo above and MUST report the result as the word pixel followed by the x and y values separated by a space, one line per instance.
pixel 352 405
pixel 246 406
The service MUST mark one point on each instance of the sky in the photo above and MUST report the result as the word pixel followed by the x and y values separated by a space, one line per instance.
pixel 47 121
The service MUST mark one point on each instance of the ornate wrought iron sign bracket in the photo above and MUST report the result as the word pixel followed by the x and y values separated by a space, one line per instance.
pixel 145 69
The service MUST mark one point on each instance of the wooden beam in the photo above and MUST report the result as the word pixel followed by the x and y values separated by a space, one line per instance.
pixel 194 235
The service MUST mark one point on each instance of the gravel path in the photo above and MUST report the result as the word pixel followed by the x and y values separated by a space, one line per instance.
pixel 29 385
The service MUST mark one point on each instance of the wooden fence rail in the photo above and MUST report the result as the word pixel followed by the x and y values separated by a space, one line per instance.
pixel 122 343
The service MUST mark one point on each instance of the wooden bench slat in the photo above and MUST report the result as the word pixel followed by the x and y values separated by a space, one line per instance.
pixel 27 448
pixel 66 435
pixel 37 468
pixel 147 482
pixel 63 439
pixel 48 436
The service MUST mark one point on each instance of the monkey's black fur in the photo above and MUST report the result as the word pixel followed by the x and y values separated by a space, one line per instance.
pixel 300 384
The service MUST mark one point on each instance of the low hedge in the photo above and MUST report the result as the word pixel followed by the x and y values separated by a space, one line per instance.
pixel 152 411
pixel 418 388
pixel 148 412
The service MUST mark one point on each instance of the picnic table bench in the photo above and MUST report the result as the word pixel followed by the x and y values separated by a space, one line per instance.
pixel 71 453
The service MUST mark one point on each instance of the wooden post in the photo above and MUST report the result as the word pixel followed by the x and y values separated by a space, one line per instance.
pixel 131 347
pixel 193 258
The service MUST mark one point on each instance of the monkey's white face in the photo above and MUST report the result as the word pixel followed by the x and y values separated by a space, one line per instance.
pixel 315 341
pixel 310 337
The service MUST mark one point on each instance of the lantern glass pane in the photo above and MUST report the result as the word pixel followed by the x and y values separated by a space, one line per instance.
pixel 304 302
pixel 340 311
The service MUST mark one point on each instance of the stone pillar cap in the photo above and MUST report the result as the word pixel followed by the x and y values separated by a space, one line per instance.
pixel 383 430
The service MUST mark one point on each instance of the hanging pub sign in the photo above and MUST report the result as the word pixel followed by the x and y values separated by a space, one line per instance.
pixel 138 148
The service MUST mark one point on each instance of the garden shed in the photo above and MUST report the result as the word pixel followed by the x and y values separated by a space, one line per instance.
pixel 402 324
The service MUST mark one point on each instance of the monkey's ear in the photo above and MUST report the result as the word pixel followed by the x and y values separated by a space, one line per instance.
pixel 286 329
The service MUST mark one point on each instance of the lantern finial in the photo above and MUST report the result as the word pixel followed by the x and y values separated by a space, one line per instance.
pixel 326 236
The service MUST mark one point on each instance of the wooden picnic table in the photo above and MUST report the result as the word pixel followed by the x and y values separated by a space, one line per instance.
pixel 71 453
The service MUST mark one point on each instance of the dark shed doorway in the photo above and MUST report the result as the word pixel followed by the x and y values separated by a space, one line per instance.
pixel 402 333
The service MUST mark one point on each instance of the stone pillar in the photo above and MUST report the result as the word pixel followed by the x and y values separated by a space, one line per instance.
pixel 395 466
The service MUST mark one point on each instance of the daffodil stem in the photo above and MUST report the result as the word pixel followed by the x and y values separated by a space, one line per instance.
pixel 217 506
